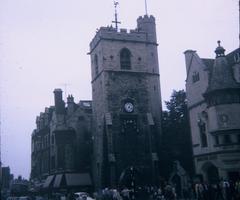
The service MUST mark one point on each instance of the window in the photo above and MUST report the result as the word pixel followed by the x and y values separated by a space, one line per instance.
pixel 227 139
pixel 47 140
pixel 52 139
pixel 195 77
pixel 52 162
pixel 203 135
pixel 98 169
pixel 238 138
pixel 96 64
pixel 125 59
pixel 216 140
pixel 81 118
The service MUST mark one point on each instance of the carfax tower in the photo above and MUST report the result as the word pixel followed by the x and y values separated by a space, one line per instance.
pixel 126 104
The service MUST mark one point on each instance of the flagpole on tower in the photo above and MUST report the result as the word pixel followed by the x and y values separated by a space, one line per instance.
pixel 146 7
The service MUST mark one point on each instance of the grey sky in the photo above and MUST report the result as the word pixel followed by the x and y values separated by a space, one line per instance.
pixel 44 45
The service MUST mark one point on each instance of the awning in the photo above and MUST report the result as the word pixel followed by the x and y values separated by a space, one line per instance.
pixel 48 181
pixel 57 181
pixel 75 179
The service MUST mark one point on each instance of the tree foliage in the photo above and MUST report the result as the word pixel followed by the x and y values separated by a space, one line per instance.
pixel 176 140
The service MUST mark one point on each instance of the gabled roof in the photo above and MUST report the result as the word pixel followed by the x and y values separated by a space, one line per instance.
pixel 205 64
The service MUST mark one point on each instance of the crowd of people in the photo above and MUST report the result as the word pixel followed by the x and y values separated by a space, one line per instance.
pixel 223 190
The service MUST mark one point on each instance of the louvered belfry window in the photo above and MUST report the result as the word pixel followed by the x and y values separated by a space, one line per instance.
pixel 125 59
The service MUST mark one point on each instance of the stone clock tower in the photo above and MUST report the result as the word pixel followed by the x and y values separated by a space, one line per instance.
pixel 126 105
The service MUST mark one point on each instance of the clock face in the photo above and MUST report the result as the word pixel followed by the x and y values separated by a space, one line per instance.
pixel 128 107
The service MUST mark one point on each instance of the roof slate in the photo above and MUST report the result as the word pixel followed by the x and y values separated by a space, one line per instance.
pixel 222 76
pixel 208 63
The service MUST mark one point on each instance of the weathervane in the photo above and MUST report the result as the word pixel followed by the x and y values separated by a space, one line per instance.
pixel 116 15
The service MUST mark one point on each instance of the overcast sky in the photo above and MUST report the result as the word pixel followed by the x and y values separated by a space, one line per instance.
pixel 44 45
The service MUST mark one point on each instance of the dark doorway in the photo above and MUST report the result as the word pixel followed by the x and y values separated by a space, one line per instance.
pixel 212 174
pixel 131 175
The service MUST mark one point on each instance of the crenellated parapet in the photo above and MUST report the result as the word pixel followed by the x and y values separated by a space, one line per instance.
pixel 146 18
pixel 144 33
pixel 109 33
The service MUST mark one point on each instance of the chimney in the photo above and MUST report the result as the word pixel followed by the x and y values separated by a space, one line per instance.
pixel 59 103
pixel 189 55
pixel 41 122
pixel 38 123
pixel 71 104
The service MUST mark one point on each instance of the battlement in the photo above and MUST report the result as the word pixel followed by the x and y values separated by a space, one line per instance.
pixel 146 18
pixel 144 33
pixel 110 33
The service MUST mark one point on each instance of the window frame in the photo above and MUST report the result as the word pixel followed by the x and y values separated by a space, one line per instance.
pixel 125 59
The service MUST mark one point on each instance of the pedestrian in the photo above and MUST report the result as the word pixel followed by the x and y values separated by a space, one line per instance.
pixel 169 193
pixel 125 193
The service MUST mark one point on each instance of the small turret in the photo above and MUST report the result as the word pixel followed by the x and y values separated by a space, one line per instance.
pixel 147 24
pixel 59 103
pixel 38 123
pixel 220 51
pixel 71 104
pixel 41 120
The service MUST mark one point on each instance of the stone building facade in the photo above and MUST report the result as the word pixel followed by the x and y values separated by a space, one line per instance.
pixel 118 132
pixel 6 178
pixel 126 104
pixel 213 94
pixel 62 143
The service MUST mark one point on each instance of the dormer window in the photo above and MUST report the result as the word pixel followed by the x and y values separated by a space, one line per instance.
pixel 125 59
pixel 195 77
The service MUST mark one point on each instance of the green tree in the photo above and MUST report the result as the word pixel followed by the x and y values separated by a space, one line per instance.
pixel 176 139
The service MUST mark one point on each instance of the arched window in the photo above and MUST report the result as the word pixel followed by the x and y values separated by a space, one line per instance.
pixel 125 59
pixel 96 64
pixel 203 134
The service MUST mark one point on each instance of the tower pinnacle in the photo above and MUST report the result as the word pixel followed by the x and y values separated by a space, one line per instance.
pixel 219 50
